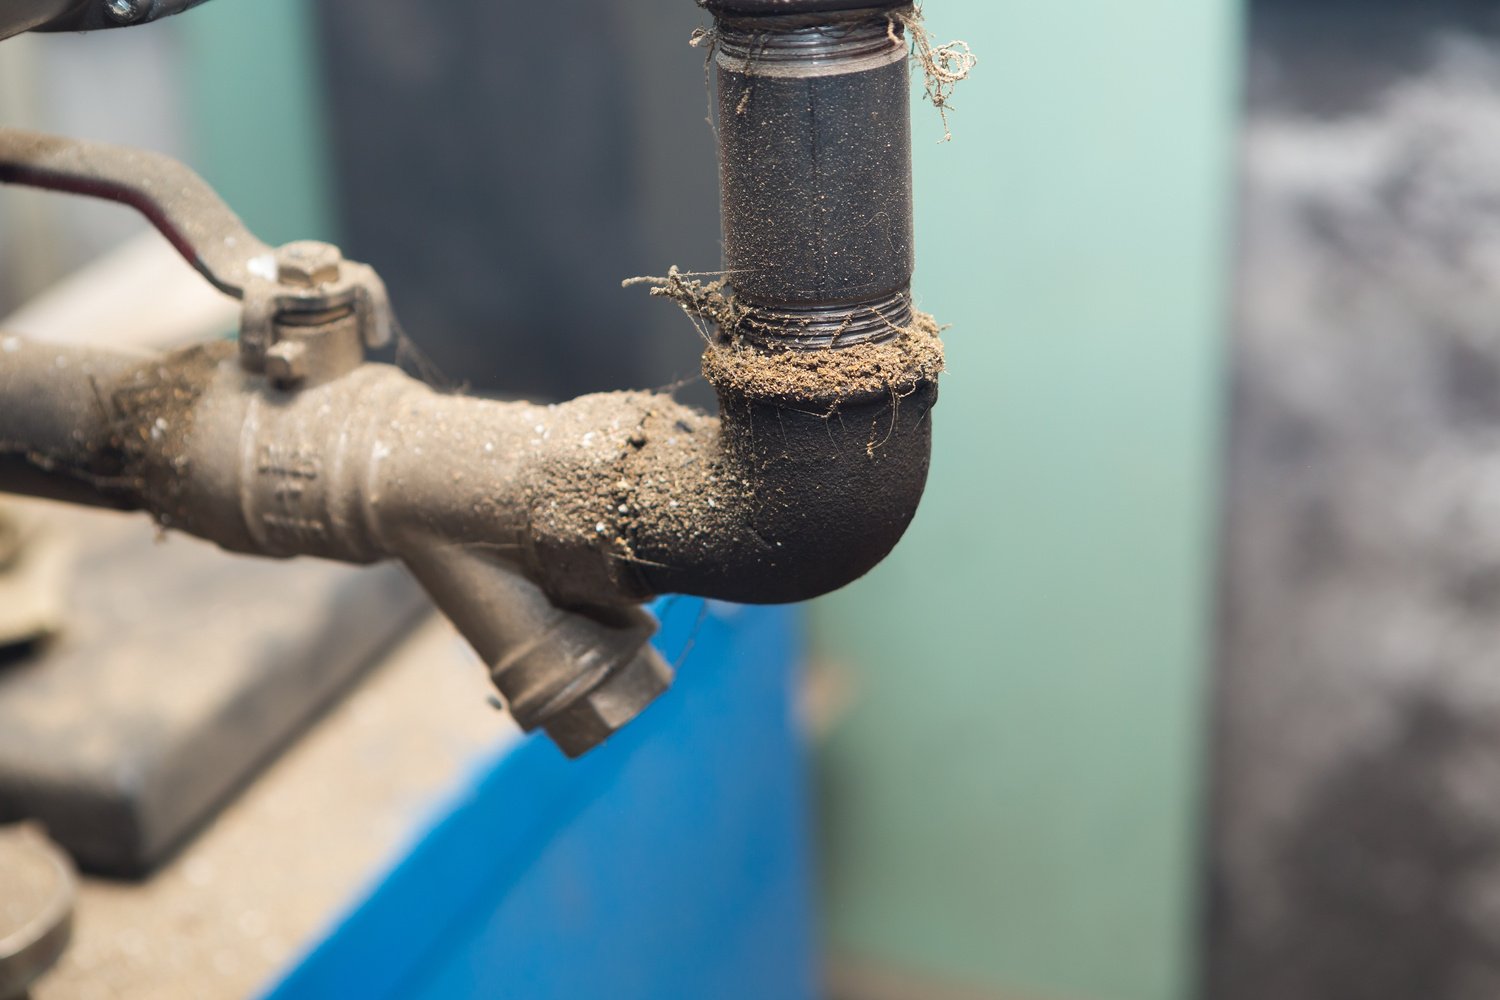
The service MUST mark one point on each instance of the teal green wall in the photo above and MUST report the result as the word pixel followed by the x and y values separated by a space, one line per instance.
pixel 1013 799
pixel 255 107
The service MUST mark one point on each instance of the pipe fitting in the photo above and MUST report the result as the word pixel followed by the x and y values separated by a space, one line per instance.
pixel 537 528
pixel 580 675
pixel 533 527
pixel 606 500
pixel 815 175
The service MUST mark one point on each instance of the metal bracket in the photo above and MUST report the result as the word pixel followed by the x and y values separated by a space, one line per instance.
pixel 296 295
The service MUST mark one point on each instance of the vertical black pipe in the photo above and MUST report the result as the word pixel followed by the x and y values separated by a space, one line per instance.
pixel 815 170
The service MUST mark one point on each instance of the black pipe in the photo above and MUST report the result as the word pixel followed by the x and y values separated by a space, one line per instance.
pixel 764 7
pixel 815 168
pixel 803 501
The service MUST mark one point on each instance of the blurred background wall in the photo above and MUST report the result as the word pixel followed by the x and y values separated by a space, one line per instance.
pixel 508 164
pixel 1012 800
pixel 54 82
pixel 234 90
pixel 1356 822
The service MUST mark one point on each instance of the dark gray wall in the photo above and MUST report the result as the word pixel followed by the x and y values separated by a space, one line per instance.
pixel 1356 798
pixel 506 164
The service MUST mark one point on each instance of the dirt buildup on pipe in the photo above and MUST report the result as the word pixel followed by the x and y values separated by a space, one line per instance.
pixel 733 362
pixel 133 449
pixel 645 486
pixel 661 494
pixel 943 66
pixel 151 413
pixel 914 354
pixel 712 301
pixel 655 487
pixel 611 463
pixel 677 484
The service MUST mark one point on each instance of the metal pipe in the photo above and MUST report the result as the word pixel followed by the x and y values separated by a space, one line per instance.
pixel 536 528
pixel 605 500
pixel 56 437
pixel 814 131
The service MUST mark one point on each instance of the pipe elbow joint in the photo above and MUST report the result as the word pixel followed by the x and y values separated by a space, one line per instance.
pixel 816 468
pixel 835 489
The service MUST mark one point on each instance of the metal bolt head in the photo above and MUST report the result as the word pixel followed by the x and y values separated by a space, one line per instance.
pixel 126 11
pixel 308 264
pixel 604 711
pixel 286 361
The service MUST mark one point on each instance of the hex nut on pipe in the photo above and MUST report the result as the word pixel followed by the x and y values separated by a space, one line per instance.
pixel 605 710
pixel 308 264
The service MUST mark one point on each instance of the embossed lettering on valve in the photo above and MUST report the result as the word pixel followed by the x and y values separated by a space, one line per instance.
pixel 289 475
